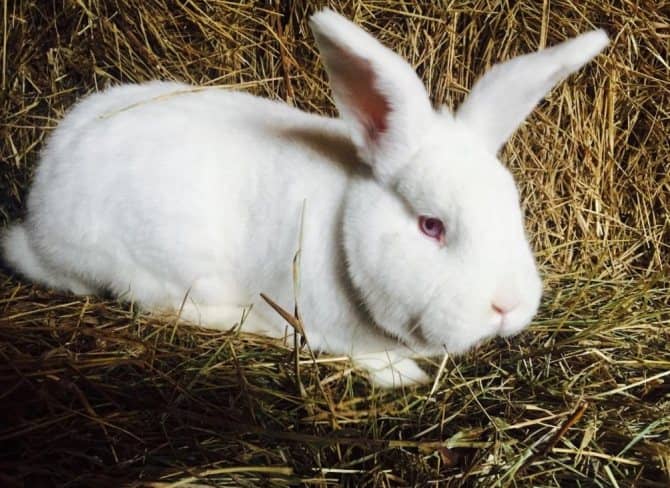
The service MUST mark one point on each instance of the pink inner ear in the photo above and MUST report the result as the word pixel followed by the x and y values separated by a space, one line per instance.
pixel 354 82
pixel 375 109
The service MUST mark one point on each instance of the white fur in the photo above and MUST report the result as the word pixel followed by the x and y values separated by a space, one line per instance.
pixel 160 190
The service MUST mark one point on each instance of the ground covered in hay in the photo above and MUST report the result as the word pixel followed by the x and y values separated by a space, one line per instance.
pixel 94 394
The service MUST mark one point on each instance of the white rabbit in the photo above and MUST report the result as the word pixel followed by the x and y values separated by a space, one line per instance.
pixel 413 238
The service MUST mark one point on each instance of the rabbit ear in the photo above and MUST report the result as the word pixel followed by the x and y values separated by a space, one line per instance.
pixel 501 100
pixel 376 92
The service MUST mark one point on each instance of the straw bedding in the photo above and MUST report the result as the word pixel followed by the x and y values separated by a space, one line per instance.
pixel 94 393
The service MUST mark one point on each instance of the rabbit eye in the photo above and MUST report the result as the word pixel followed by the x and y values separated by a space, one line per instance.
pixel 432 227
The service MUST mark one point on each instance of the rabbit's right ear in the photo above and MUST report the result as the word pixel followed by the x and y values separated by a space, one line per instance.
pixel 376 92
pixel 500 101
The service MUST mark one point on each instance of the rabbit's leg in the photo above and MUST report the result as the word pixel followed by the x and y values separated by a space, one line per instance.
pixel 226 316
pixel 79 287
pixel 388 362
pixel 391 368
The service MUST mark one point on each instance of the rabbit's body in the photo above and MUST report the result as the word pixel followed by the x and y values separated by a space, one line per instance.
pixel 413 239
pixel 253 160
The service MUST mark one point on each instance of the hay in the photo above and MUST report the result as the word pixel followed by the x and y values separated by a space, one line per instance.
pixel 93 394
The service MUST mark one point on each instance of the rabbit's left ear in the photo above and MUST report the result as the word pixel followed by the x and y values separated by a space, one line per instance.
pixel 376 92
pixel 500 101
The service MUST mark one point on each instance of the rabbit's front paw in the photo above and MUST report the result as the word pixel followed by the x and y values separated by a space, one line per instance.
pixel 390 370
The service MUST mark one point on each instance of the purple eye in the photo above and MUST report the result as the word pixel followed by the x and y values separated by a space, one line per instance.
pixel 432 227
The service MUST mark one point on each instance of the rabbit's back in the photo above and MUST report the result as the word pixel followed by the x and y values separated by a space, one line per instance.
pixel 160 188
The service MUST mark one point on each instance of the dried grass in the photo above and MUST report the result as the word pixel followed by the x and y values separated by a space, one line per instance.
pixel 93 394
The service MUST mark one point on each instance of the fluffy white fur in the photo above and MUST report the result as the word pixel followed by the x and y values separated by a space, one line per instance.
pixel 157 190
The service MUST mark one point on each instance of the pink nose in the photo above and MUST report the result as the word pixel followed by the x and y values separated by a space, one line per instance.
pixel 503 307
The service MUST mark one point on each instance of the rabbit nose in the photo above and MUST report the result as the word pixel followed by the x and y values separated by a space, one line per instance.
pixel 504 305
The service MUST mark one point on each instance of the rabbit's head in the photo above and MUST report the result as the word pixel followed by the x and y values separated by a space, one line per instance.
pixel 433 233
